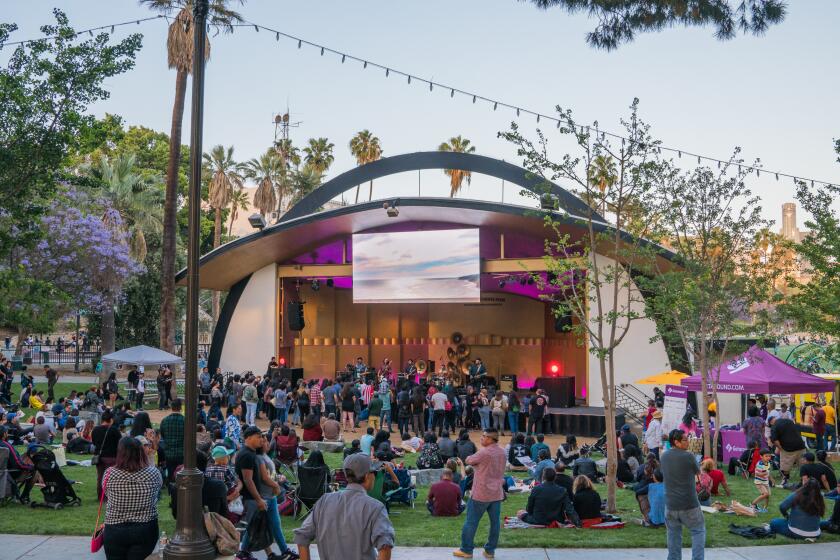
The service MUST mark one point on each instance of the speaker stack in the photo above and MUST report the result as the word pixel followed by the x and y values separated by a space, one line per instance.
pixel 294 311
pixel 560 391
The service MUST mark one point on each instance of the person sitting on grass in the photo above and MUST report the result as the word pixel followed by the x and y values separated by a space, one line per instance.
pixel 465 446
pixel 355 447
pixel 802 511
pixel 549 502
pixel 810 470
pixel 430 457
pixel 535 449
pixel 563 479
pixel 518 449
pixel 456 465
pixel 221 470
pixel 585 466
pixel 544 462
pixel 331 429
pixel 445 497
pixel 312 428
pixel 656 501
pixel 716 475
pixel 36 400
pixel 587 501
pixel 43 432
pixel 366 441
pixel 763 480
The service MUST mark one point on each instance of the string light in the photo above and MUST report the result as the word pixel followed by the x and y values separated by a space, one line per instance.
pixel 343 57
pixel 257 28
pixel 277 37
pixel 365 65
pixel 452 93
pixel 76 34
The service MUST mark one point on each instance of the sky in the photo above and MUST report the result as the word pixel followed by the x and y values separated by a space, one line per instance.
pixel 416 254
pixel 775 95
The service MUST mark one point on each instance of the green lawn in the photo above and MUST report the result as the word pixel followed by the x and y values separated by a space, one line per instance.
pixel 415 527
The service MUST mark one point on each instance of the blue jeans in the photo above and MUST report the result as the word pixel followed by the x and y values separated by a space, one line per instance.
pixel 484 414
pixel 780 526
pixel 280 414
pixel 475 510
pixel 513 421
pixel 830 437
pixel 250 413
pixel 819 440
pixel 386 419
pixel 692 519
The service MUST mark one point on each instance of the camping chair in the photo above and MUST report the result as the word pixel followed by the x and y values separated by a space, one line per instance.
pixel 312 484
pixel 286 460
pixel 406 493
pixel 7 485
pixel 340 478
pixel 378 491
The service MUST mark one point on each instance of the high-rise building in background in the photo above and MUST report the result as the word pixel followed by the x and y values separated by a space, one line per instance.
pixel 789 229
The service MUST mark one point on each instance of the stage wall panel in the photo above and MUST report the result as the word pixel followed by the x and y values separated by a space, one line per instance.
pixel 250 338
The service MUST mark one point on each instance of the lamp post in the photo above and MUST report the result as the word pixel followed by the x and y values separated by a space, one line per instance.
pixel 190 540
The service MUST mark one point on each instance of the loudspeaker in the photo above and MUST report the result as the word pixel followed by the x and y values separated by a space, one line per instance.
pixel 292 374
pixel 294 310
pixel 563 323
pixel 560 391
pixel 508 383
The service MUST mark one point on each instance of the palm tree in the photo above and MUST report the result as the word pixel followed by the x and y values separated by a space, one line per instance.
pixel 289 156
pixel 137 199
pixel 238 201
pixel 365 148
pixel 304 181
pixel 319 154
pixel 179 48
pixel 221 167
pixel 457 176
pixel 265 171
pixel 602 175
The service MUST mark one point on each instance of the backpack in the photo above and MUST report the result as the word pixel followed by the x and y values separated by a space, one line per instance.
pixel 222 533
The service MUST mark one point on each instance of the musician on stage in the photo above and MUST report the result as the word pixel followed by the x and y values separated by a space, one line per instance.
pixel 386 370
pixel 360 367
pixel 410 368
pixel 478 373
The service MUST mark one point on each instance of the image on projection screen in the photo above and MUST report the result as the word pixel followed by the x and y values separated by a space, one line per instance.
pixel 416 266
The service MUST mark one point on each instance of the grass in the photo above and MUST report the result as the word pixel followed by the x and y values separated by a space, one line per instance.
pixel 415 527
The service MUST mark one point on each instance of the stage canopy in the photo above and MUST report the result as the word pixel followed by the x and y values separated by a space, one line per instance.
pixel 672 377
pixel 142 356
pixel 758 371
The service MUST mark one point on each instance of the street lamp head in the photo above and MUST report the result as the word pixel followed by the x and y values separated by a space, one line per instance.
pixel 257 221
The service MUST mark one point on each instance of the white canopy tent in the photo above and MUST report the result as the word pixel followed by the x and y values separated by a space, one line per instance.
pixel 142 356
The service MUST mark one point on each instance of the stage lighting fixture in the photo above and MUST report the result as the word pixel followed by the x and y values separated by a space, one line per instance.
pixel 391 209
pixel 257 221
pixel 549 201
pixel 501 283
pixel 330 282
pixel 282 362
pixel 316 285
pixel 554 368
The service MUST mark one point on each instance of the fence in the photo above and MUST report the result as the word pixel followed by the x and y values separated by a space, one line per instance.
pixel 39 354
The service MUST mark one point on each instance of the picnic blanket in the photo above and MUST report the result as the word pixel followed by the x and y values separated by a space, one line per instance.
pixel 516 523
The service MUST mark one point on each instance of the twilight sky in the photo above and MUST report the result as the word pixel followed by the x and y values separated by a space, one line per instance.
pixel 775 95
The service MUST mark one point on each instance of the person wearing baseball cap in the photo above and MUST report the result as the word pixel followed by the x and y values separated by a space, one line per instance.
pixel 653 433
pixel 349 524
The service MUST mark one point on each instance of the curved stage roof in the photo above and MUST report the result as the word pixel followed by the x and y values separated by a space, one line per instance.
pixel 302 230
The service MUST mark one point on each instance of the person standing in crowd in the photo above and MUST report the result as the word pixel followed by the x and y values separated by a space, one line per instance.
pixel 536 413
pixel 498 411
pixel 52 379
pixel 233 428
pixel 280 396
pixel 132 487
pixel 784 434
pixel 818 425
pixel 682 508
pixel 252 399
pixel 653 434
pixel 316 399
pixel 105 438
pixel 753 428
pixel 172 433
pixel 247 467
pixel 140 389
pixel 368 536
pixel 487 494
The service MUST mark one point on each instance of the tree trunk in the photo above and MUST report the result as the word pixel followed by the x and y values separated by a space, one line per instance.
pixel 22 334
pixel 170 221
pixel 612 444
pixel 108 330
pixel 370 194
pixel 217 240
pixel 704 406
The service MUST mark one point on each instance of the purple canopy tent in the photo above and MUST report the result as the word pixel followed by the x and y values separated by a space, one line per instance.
pixel 758 371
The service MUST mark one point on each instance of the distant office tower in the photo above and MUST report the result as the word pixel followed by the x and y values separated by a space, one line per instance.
pixel 789 229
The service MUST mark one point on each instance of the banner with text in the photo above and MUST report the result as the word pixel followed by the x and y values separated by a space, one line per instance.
pixel 676 399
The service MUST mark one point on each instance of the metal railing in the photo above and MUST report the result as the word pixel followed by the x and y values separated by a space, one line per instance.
pixel 632 401
pixel 55 354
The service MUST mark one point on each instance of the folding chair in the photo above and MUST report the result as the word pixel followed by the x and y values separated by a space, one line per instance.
pixel 340 478
pixel 286 460
pixel 312 484
pixel 406 493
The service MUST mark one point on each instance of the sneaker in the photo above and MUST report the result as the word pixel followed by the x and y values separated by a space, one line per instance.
pixel 760 509
pixel 244 555
pixel 489 554
pixel 458 553
pixel 290 555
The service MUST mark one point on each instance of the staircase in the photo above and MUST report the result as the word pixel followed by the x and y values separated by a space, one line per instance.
pixel 632 402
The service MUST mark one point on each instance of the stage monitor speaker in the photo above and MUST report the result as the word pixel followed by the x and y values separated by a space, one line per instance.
pixel 294 310
pixel 560 391
pixel 431 366
pixel 292 374
pixel 508 383
pixel 563 323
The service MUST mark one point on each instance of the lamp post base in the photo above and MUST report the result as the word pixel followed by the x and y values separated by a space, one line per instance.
pixel 190 541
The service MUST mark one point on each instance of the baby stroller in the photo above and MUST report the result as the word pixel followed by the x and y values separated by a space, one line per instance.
pixel 58 491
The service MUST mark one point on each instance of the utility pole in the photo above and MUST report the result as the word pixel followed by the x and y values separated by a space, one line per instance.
pixel 190 541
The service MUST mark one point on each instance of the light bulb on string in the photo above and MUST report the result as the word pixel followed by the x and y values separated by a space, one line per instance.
pixel 452 93
pixel 495 105
pixel 112 29
pixel 777 176
pixel 538 117
pixel 387 72
pixel 256 28
pixel 698 160
pixel 364 65
pixel 343 57
pixel 517 111
pixel 300 43
pixel 473 98
pixel 679 154
pixel 322 51
pixel 430 86
pixel 558 123
pixel 409 78
pixel 277 36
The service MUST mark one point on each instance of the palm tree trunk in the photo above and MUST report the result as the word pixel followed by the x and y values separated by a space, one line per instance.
pixel 217 240
pixel 170 223
pixel 370 193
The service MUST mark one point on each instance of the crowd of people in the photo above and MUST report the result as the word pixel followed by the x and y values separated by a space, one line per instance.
pixel 243 465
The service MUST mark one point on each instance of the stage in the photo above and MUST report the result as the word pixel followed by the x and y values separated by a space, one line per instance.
pixel 587 421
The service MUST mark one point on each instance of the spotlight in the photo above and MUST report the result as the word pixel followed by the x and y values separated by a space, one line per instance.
pixel 257 221
pixel 549 201
pixel 501 283
pixel 282 362
pixel 316 285
pixel 330 282
pixel 554 368
pixel 391 209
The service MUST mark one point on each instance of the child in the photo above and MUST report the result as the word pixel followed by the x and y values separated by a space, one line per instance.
pixel 763 480
pixel 656 497
pixel 785 413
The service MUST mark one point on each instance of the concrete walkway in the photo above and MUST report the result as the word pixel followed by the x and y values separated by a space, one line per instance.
pixel 34 547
